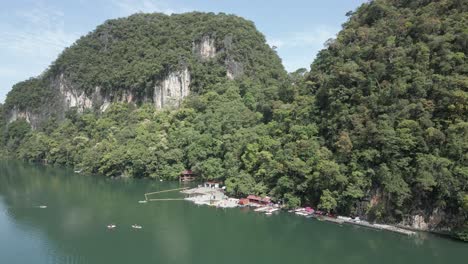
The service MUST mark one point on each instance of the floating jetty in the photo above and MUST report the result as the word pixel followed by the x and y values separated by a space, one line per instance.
pixel 163 191
pixel 351 221
pixel 384 227
pixel 261 209
pixel 212 195
pixel 166 199
pixel 330 219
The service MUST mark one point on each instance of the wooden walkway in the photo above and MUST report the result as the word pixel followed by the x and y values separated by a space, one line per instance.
pixel 164 191
pixel 166 199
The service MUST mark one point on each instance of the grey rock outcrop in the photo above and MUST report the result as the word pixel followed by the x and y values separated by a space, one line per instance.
pixel 234 69
pixel 171 91
pixel 167 92
pixel 73 98
pixel 16 114
pixel 205 48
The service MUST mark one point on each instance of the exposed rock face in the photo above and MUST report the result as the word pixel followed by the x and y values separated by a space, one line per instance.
pixel 425 222
pixel 206 48
pixel 72 97
pixel 16 114
pixel 34 119
pixel 418 222
pixel 169 93
pixel 233 69
pixel 100 100
pixel 171 90
pixel 104 106
pixel 127 97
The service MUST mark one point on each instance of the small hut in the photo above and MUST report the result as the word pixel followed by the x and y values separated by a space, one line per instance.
pixel 259 200
pixel 244 201
pixel 212 184
pixel 187 175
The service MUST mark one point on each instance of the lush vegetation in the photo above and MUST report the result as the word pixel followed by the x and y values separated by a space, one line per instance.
pixel 2 129
pixel 378 127
pixel 392 103
pixel 136 52
pixel 28 95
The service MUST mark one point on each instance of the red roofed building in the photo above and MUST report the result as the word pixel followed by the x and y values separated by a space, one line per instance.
pixel 258 199
pixel 244 201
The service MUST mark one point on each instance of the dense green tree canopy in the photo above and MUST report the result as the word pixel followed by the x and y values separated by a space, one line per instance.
pixel 392 93
pixel 135 53
pixel 378 127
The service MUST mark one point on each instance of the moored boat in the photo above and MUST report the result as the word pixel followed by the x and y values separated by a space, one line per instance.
pixel 261 209
pixel 302 213
pixel 272 209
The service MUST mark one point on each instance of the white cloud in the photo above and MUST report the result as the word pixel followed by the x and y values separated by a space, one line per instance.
pixel 42 15
pixel 298 49
pixel 45 44
pixel 38 32
pixel 315 37
pixel 128 7
pixel 30 40
pixel 7 72
pixel 275 42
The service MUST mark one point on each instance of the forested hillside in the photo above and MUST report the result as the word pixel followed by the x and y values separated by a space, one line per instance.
pixel 377 128
pixel 392 101
pixel 148 58
pixel 2 129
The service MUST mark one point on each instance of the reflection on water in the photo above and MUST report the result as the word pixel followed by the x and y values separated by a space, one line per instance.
pixel 72 229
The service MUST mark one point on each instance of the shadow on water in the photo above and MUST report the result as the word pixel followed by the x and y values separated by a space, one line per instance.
pixel 72 229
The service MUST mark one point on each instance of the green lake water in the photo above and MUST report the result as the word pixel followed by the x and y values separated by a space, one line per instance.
pixel 72 229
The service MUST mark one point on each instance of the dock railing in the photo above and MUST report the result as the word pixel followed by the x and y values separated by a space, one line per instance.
pixel 164 191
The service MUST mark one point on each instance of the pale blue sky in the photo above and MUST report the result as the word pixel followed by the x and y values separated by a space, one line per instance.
pixel 34 32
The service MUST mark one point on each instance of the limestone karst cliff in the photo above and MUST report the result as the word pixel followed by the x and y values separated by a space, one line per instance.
pixel 144 58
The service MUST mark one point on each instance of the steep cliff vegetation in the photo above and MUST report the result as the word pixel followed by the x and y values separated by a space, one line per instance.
pixel 392 101
pixel 134 52
pixel 378 127
pixel 2 129
pixel 126 59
